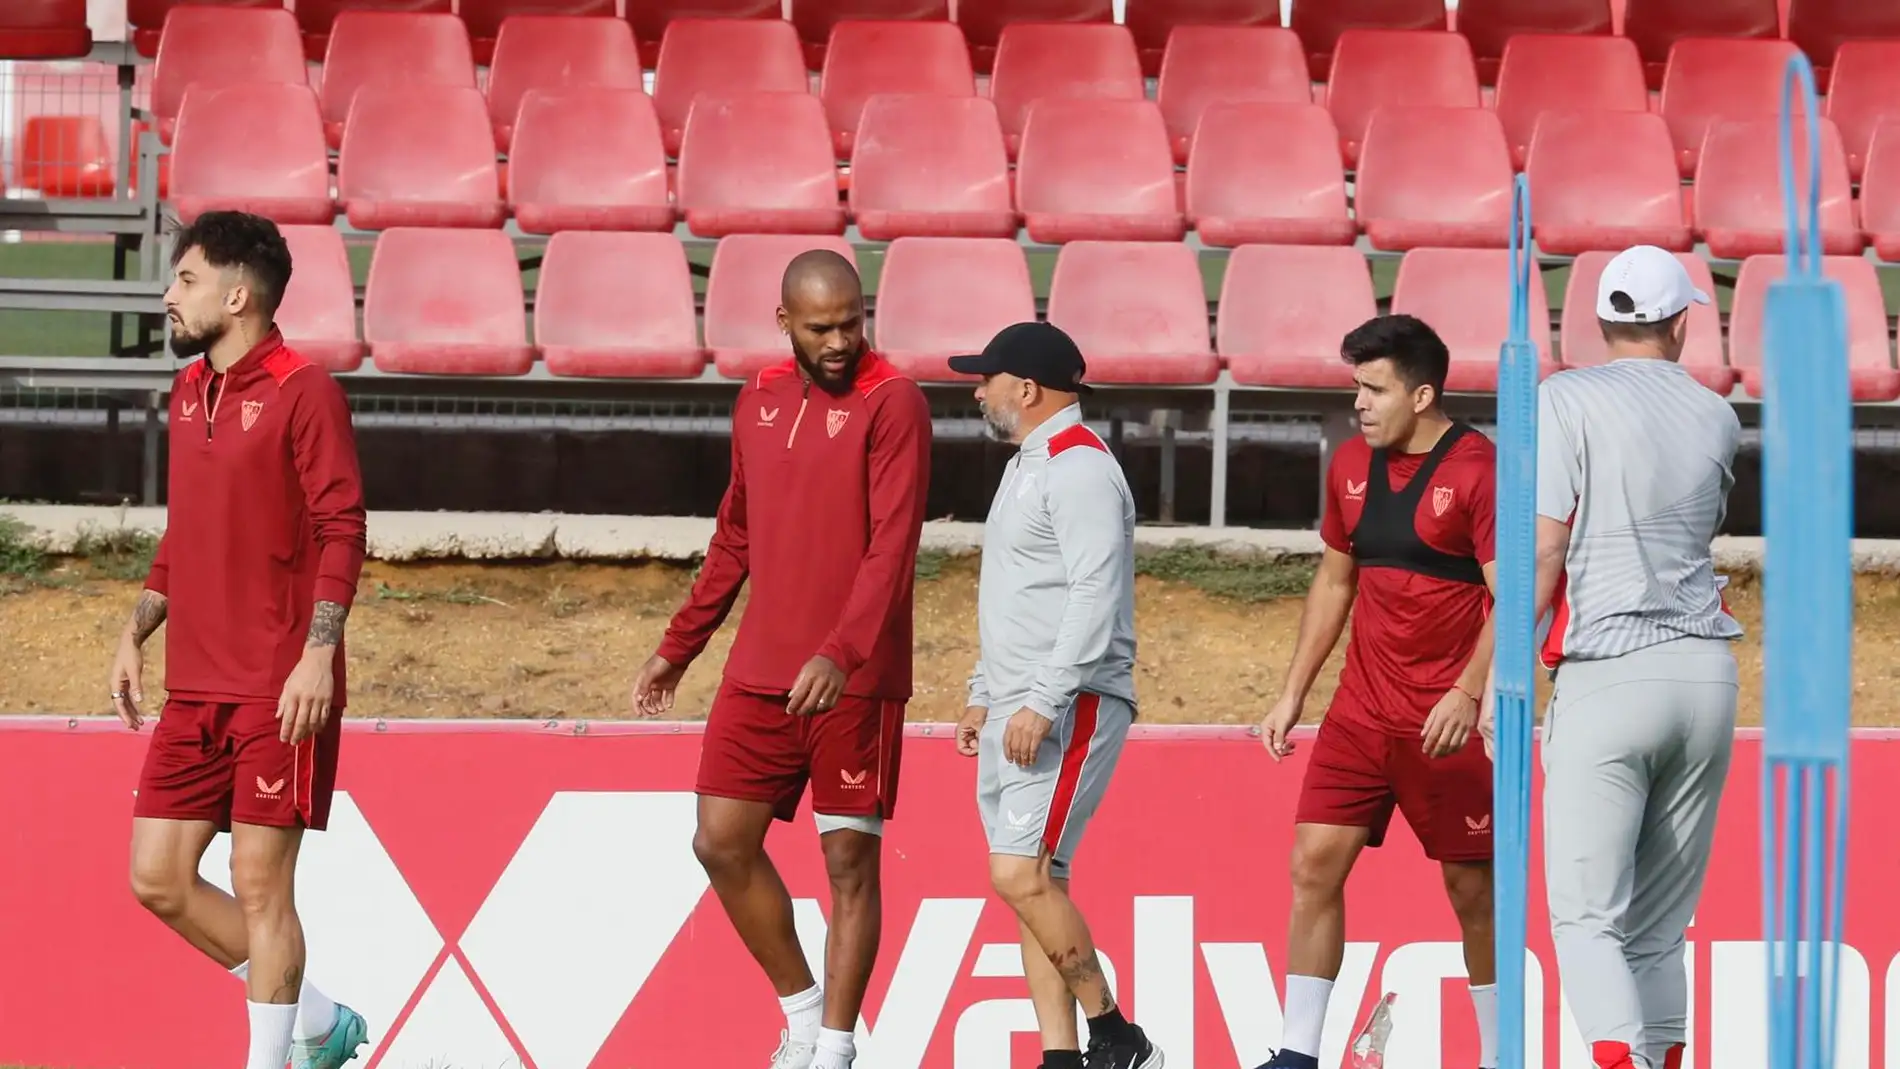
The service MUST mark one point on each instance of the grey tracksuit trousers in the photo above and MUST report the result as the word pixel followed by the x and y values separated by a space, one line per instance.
pixel 1636 752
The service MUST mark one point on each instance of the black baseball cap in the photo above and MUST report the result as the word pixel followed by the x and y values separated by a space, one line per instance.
pixel 1039 352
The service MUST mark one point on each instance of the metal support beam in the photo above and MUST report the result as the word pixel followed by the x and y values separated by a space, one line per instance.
pixel 149 454
pixel 143 296
pixel 1218 444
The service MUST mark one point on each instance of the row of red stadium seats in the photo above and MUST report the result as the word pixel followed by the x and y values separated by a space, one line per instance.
pixel 622 305
pixel 53 28
pixel 1707 79
pixel 592 159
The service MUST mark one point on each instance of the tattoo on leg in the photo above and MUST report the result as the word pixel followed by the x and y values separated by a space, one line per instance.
pixel 1077 969
pixel 147 615
pixel 326 624
pixel 290 988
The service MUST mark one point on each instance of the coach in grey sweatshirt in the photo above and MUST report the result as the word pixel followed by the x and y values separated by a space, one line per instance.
pixel 1053 694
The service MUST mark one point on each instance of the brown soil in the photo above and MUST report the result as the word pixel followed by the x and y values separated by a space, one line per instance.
pixel 563 640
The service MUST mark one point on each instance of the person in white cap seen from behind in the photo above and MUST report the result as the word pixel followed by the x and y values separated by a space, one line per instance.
pixel 1634 466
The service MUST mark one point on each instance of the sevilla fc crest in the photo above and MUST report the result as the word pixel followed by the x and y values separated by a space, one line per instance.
pixel 252 410
pixel 1441 500
pixel 834 420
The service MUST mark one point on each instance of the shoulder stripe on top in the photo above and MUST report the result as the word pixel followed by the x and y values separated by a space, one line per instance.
pixel 1072 437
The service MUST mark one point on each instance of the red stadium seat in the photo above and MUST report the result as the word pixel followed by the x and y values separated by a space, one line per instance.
pixel 1269 174
pixel 446 302
pixel 869 58
pixel 1098 169
pixel 1155 22
pixel 1138 311
pixel 759 164
pixel 318 313
pixel 931 166
pixel 319 17
pixel 1656 25
pixel 1490 25
pixel 485 18
pixel 1465 294
pixel 384 49
pixel 617 306
pixel 938 297
pixel 1321 23
pixel 1821 27
pixel 1712 80
pixel 1435 176
pixel 252 148
pixel 1582 336
pixel 147 17
pixel 547 52
pixel 1864 89
pixel 1548 73
pixel 743 294
pixel 984 21
pixel 1373 69
pixel 1227 65
pixel 1055 62
pixel 66 156
pixel 44 29
pixel 817 21
pixel 1605 180
pixel 419 155
pixel 588 159
pixel 1880 191
pixel 1284 310
pixel 1871 374
pixel 724 57
pixel 651 18
pixel 1738 205
pixel 209 47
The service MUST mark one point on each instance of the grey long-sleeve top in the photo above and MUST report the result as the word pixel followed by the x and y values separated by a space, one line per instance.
pixel 1056 601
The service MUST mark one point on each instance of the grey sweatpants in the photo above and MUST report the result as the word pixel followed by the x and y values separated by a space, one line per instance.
pixel 1636 752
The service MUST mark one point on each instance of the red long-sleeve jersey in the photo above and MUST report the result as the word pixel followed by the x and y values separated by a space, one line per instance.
pixel 265 519
pixel 823 513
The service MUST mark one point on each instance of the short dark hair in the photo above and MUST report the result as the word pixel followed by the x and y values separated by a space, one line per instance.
pixel 245 242
pixel 1415 349
pixel 1656 333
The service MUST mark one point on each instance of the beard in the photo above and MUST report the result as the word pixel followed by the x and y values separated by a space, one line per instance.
pixel 1001 423
pixel 823 376
pixel 185 345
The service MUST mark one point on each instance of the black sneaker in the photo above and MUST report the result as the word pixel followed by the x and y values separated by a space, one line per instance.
pixel 1133 1053
pixel 1291 1059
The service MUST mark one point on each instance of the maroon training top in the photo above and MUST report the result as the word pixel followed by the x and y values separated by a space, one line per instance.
pixel 823 513
pixel 265 519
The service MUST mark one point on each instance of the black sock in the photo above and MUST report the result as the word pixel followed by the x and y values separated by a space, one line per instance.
pixel 1061 1059
pixel 1112 1026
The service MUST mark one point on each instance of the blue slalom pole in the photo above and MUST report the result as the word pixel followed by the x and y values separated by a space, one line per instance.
pixel 1514 629
pixel 1807 510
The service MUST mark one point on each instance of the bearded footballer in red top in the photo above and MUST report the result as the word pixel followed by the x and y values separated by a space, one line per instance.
pixel 256 573
pixel 830 467
pixel 1408 525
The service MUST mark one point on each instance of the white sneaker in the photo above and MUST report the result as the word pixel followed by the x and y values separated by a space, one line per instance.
pixel 790 1055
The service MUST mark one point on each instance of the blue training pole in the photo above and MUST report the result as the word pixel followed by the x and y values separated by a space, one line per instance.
pixel 1514 632
pixel 1807 510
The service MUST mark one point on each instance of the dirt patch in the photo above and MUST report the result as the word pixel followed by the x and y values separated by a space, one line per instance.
pixel 562 640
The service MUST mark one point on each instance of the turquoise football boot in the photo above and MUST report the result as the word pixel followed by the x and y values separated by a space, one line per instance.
pixel 334 1050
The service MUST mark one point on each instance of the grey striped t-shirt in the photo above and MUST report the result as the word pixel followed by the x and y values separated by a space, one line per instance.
pixel 1639 459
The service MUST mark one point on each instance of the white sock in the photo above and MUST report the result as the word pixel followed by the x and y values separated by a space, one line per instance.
pixel 1306 998
pixel 804 1012
pixel 270 1035
pixel 836 1049
pixel 1484 999
pixel 316 1014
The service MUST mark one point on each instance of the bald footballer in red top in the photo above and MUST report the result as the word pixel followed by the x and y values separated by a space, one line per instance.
pixel 254 578
pixel 830 468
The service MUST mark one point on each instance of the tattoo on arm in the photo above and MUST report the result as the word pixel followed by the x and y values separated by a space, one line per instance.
pixel 147 615
pixel 1078 971
pixel 326 624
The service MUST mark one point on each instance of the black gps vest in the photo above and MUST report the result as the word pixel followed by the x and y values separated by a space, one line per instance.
pixel 1387 533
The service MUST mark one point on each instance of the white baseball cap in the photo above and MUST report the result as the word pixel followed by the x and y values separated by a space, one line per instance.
pixel 1645 284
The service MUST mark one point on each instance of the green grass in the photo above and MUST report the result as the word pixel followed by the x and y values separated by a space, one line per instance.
pixel 117 554
pixel 1251 577
pixel 454 596
pixel 20 558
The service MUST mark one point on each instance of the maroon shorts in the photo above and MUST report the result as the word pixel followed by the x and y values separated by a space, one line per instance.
pixel 1358 771
pixel 224 763
pixel 757 752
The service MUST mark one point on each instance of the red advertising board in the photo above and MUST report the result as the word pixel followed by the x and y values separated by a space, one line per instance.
pixel 522 895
